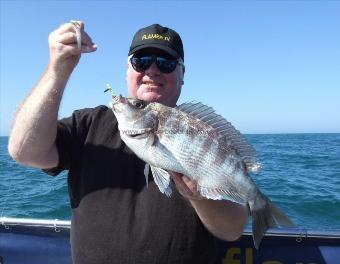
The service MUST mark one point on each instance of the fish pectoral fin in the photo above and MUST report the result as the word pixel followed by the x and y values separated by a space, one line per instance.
pixel 162 179
pixel 146 173
pixel 154 140
pixel 220 194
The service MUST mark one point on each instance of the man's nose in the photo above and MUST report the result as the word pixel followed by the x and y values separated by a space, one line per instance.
pixel 153 69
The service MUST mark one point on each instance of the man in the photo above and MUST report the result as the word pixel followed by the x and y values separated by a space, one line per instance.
pixel 116 218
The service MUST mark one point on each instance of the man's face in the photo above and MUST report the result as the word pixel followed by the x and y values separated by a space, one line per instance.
pixel 154 86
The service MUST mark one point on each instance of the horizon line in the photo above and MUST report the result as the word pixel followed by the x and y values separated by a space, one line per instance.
pixel 268 133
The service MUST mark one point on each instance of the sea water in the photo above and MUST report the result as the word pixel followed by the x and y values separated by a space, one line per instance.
pixel 300 173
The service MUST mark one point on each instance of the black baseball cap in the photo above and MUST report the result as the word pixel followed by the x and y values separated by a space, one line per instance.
pixel 156 36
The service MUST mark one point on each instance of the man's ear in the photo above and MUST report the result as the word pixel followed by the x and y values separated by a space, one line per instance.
pixel 183 74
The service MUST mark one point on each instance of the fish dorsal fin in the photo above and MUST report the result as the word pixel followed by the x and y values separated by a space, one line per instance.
pixel 225 130
pixel 162 179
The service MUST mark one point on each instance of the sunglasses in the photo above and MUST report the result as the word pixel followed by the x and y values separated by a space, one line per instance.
pixel 142 62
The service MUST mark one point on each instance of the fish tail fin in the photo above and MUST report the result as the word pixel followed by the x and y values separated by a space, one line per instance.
pixel 266 215
pixel 280 217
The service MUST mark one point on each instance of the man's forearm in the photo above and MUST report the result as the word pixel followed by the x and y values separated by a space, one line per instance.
pixel 35 124
pixel 224 219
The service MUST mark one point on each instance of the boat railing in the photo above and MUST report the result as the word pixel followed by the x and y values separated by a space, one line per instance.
pixel 66 224
pixel 56 223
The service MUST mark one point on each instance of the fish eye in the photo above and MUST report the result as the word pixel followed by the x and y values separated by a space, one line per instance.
pixel 139 104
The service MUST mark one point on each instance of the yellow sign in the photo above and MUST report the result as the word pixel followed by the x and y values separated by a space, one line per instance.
pixel 236 255
pixel 155 36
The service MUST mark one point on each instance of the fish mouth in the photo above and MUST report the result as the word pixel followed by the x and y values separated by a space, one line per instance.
pixel 118 99
pixel 116 102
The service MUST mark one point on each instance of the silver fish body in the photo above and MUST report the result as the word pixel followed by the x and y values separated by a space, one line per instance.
pixel 193 140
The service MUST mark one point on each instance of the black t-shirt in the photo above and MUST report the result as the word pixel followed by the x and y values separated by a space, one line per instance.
pixel 116 217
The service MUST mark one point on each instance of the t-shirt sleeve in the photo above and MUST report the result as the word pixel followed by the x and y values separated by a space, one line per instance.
pixel 71 132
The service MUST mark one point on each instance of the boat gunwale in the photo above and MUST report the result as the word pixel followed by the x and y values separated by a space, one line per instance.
pixel 280 232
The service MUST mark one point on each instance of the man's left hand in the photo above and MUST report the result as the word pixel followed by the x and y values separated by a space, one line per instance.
pixel 186 186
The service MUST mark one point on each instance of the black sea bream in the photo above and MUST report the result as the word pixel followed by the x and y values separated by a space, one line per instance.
pixel 193 140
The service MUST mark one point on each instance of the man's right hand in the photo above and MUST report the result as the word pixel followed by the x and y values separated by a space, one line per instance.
pixel 64 52
pixel 34 129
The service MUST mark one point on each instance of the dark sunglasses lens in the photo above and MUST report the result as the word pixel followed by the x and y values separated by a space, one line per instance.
pixel 140 64
pixel 166 65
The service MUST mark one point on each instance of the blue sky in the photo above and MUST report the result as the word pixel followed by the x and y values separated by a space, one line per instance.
pixel 266 66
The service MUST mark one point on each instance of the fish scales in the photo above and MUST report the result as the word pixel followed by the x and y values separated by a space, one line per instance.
pixel 185 140
pixel 203 151
pixel 193 140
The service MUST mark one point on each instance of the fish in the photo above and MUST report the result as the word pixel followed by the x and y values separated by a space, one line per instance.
pixel 192 139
